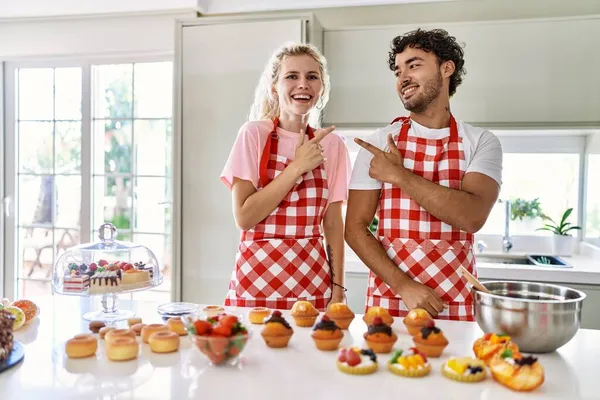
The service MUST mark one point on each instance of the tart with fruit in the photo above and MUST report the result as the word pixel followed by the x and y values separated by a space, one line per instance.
pixel 464 369
pixel 355 361
pixel 486 347
pixel 380 312
pixel 430 340
pixel 411 363
pixel 380 336
pixel 415 320
pixel 327 335
pixel 341 314
pixel 277 332
pixel 516 371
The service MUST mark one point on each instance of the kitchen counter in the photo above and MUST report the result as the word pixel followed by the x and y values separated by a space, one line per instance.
pixel 586 270
pixel 297 372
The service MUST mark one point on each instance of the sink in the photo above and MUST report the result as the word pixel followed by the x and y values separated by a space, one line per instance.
pixel 531 259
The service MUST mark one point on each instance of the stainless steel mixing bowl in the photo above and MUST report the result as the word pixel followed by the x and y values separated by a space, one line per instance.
pixel 539 317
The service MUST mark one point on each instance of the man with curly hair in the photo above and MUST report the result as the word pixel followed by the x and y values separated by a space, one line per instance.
pixel 433 180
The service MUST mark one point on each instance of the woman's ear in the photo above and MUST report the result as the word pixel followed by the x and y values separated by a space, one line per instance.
pixel 448 68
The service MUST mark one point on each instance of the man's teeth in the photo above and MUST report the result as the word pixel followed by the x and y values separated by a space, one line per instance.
pixel 409 90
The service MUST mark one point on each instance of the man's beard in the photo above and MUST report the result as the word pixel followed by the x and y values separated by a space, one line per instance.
pixel 431 91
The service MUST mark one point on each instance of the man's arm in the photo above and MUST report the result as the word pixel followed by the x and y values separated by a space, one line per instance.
pixel 466 209
pixel 362 205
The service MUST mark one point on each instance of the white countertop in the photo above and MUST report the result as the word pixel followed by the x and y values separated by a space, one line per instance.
pixel 297 372
pixel 586 270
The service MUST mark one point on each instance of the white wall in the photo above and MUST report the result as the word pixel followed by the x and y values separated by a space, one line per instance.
pixel 95 36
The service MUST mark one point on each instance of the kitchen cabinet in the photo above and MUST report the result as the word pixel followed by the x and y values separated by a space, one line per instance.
pixel 518 73
pixel 356 296
pixel 218 64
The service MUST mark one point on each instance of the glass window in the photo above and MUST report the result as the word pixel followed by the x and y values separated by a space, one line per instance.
pixel 592 226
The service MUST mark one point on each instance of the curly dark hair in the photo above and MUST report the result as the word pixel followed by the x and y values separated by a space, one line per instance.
pixel 438 41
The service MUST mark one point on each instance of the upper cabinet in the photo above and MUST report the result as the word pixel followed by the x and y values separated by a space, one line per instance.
pixel 518 73
pixel 218 65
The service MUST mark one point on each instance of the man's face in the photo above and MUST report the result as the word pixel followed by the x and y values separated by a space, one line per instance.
pixel 418 79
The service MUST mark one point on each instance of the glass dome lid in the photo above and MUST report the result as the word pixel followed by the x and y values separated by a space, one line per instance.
pixel 107 266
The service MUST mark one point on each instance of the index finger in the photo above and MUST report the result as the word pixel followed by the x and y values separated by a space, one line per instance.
pixel 321 133
pixel 368 146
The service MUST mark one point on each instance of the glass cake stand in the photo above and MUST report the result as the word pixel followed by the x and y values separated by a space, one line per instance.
pixel 106 268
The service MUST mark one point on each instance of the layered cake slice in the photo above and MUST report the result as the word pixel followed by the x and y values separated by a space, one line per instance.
pixel 135 278
pixel 106 282
pixel 76 283
pixel 6 334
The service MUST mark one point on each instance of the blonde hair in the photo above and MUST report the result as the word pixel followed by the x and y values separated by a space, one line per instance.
pixel 266 105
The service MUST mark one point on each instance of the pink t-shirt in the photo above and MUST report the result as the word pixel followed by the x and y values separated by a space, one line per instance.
pixel 244 159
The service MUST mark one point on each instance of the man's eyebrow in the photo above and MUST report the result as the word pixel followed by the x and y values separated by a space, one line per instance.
pixel 396 67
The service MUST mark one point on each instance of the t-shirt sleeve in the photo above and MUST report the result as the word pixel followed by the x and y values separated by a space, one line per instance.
pixel 487 158
pixel 360 179
pixel 243 161
pixel 340 168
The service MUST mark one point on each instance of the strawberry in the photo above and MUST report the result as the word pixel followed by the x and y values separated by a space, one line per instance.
pixel 352 358
pixel 487 336
pixel 233 351
pixel 218 344
pixel 202 327
pixel 102 263
pixel 276 313
pixel 325 318
pixel 430 324
pixel 93 267
pixel 228 320
pixel 342 355
pixel 377 321
pixel 222 330
pixel 416 351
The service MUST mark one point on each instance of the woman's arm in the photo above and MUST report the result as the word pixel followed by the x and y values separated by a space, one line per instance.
pixel 333 225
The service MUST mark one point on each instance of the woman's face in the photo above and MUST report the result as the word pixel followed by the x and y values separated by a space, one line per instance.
pixel 299 86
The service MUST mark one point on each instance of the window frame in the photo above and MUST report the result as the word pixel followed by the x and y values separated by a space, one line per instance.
pixel 9 251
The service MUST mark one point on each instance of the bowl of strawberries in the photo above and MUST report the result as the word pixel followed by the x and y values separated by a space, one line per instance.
pixel 221 338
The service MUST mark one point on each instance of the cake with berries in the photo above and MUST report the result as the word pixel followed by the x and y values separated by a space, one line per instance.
pixel 411 363
pixel 277 332
pixel 491 344
pixel 327 335
pixel 6 334
pixel 430 340
pixel 464 369
pixel 355 361
pixel 380 336
pixel 516 371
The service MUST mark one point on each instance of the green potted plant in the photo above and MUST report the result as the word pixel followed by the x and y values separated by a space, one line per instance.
pixel 524 213
pixel 562 242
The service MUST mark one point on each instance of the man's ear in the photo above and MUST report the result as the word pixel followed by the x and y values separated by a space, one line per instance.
pixel 448 68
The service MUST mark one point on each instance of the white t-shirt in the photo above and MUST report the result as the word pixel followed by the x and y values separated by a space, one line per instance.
pixel 483 151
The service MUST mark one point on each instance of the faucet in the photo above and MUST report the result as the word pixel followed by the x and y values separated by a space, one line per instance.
pixel 506 242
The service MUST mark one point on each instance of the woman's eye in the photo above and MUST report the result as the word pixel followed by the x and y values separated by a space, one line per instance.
pixel 313 77
pixel 293 76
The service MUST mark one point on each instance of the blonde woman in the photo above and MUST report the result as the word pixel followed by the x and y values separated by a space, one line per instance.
pixel 288 181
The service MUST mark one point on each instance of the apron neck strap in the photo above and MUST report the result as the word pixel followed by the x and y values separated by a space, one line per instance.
pixel 406 126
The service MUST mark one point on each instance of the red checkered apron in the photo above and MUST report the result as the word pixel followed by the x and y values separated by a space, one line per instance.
pixel 282 259
pixel 425 248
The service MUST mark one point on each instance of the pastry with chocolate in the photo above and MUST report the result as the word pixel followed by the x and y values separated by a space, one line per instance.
pixel 277 332
pixel 327 335
pixel 430 340
pixel 380 337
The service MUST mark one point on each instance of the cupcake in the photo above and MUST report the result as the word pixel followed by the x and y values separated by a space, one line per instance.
pixel 257 315
pixel 380 337
pixel 304 313
pixel 327 335
pixel 465 369
pixel 486 347
pixel 517 372
pixel 430 340
pixel 410 363
pixel 341 314
pixel 213 311
pixel 415 320
pixel 381 312
pixel 277 332
pixel 355 361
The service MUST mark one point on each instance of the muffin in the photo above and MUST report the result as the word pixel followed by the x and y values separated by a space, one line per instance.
pixel 355 361
pixel 380 337
pixel 415 320
pixel 430 340
pixel 277 332
pixel 304 313
pixel 213 311
pixel 381 312
pixel 327 335
pixel 465 369
pixel 517 372
pixel 412 363
pixel 257 315
pixel 341 314
pixel 486 347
